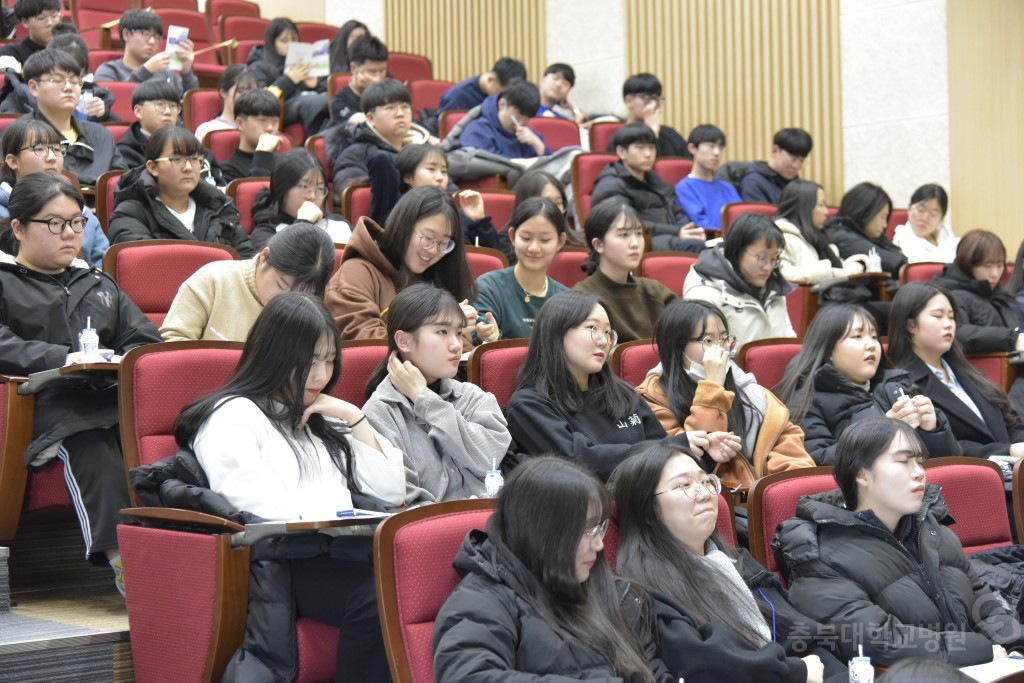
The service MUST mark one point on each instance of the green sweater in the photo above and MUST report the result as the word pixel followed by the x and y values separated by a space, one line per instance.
pixel 634 306
pixel 501 294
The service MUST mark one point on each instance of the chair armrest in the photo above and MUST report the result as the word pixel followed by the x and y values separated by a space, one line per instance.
pixel 16 415
pixel 175 517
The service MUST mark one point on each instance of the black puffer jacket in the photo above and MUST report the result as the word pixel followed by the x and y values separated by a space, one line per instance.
pixel 838 403
pixel 987 318
pixel 850 240
pixel 486 631
pixel 858 576
pixel 132 147
pixel 653 198
pixel 139 215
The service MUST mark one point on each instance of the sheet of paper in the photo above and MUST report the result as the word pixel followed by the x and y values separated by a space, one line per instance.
pixel 994 670
pixel 175 35
pixel 317 55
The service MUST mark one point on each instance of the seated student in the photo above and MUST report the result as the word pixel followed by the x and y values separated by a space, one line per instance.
pixel 741 278
pixel 554 88
pixel 988 321
pixel 305 97
pixel 632 180
pixel 388 128
pixel 877 558
pixel 275 443
pixel 451 432
pixel 615 238
pixel 922 340
pixel 39 17
pixel 568 402
pixel 297 192
pixel 1016 284
pixel 222 300
pixel 642 95
pixel 841 377
pixel 515 295
pixel 236 80
pixel 502 126
pixel 474 90
pixel 31 146
pixel 165 199
pixel 537 600
pixel 368 64
pixel 720 615
pixel 257 114
pixel 809 256
pixel 536 183
pixel 348 33
pixel 420 241
pixel 701 195
pixel 924 237
pixel 765 180
pixel 142 31
pixel 45 301
pixel 859 226
pixel 697 386
pixel 53 79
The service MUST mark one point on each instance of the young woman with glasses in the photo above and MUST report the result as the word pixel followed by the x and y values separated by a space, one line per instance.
pixel 697 386
pixel 538 601
pixel 166 200
pixel 925 236
pixel 298 192
pixel 741 277
pixel 720 615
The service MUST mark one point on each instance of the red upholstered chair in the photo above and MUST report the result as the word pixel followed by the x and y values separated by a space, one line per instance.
pixel 106 185
pixel 670 268
pixel 312 31
pixel 996 366
pixel 406 66
pixel 424 93
pixel 731 212
pixel 117 129
pixel 772 500
pixel 487 182
pixel 201 105
pixel 97 57
pixel 355 202
pixel 151 271
pixel 565 267
pixel 585 169
pixel 413 553
pixel 484 259
pixel 317 145
pixel 243 193
pixel 192 5
pixel 498 205
pixel 122 92
pixel 493 367
pixel 897 217
pixel 359 358
pixel 673 169
pixel 223 143
pixel 241 27
pixel 336 83
pixel 802 304
pixel 632 360
pixel 557 133
pixel 239 54
pixel 448 120
pixel 88 15
pixel 766 359
pixel 223 8
pixel 207 66
pixel 921 272
pixel 601 135
pixel 973 491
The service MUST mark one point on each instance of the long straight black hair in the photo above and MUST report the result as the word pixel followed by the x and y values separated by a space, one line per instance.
pixel 546 368
pixel 275 28
pixel 543 510
pixel 288 171
pixel 797 203
pixel 649 554
pixel 272 373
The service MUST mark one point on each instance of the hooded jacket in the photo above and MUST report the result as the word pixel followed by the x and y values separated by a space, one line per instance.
pixel 92 154
pixel 132 147
pixel 349 148
pixel 363 287
pixel 850 241
pixel 987 318
pixel 16 98
pixel 762 184
pixel 139 215
pixel 750 313
pixel 654 199
pixel 859 577
pixel 487 631
pixel 800 260
pixel 486 133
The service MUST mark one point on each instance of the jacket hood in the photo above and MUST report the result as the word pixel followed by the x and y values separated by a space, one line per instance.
pixel 712 264
pixel 953 278
pixel 830 507
pixel 477 556
pixel 255 55
pixel 363 244
pixel 140 185
pixel 762 168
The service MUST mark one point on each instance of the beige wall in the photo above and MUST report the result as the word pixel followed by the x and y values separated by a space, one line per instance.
pixel 311 10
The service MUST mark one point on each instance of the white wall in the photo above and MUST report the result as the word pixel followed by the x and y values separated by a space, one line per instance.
pixel 590 35
pixel 370 12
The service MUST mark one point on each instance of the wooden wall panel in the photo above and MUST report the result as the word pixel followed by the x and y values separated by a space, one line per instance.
pixel 750 67
pixel 465 37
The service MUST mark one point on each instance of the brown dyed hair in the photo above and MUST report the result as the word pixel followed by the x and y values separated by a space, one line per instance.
pixel 975 247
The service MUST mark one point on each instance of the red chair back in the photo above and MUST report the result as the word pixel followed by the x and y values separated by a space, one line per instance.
pixel 122 93
pixel 631 361
pixel 359 358
pixel 921 272
pixel 198 31
pixel 448 120
pixel 565 267
pixel 802 304
pixel 106 185
pixel 601 135
pixel 731 212
pixel 673 169
pixel 242 27
pixel 117 129
pixel 191 5
pixel 312 31
pixel 493 367
pixel 557 133
pixel 766 359
pixel 223 8
pixel 317 146
pixel 413 553
pixel 151 271
pixel 240 53
pixel 355 202
pixel 201 105
pixel 498 204
pixel 997 368
pixel 224 143
pixel 87 15
pixel 670 268
pixel 336 83
pixel 585 169
pixel 98 57
pixel 973 491
pixel 405 66
pixel 243 193
pixel 484 259
pixel 897 217
pixel 425 93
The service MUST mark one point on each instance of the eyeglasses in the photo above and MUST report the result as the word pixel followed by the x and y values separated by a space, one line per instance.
pixel 396 107
pixel 148 36
pixel 428 244
pixel 61 81
pixel 692 487
pixel 930 213
pixel 319 191
pixel 41 149
pixel 599 337
pixel 57 225
pixel 597 533
pixel 165 105
pixel 763 261
pixel 180 161
pixel 728 342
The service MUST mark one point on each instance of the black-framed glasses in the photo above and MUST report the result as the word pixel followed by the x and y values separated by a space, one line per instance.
pixel 692 487
pixel 428 244
pixel 599 337
pixel 728 342
pixel 597 533
pixel 180 161
pixel 41 149
pixel 56 225
pixel 317 191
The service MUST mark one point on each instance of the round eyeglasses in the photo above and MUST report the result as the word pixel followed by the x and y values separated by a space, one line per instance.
pixel 597 533
pixel 310 190
pixel 728 342
pixel 429 244
pixel 693 487
pixel 611 337
pixel 57 225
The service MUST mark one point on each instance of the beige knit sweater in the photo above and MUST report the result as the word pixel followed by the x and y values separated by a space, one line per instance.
pixel 218 302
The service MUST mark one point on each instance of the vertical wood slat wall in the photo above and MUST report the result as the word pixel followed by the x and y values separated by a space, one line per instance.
pixel 750 67
pixel 465 37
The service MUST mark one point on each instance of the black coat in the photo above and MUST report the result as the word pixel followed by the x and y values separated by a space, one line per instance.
pixel 349 148
pixel 987 318
pixel 838 403
pixel 861 578
pixel 654 199
pixel 850 240
pixel 139 215
pixel 761 184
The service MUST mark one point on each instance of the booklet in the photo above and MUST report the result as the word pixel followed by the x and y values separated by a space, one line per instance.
pixel 317 55
pixel 175 35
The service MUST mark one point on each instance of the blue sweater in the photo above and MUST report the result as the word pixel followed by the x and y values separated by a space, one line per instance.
pixel 463 95
pixel 703 200
pixel 486 133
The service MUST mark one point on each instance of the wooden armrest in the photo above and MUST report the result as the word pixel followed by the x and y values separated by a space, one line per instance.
pixel 16 431
pixel 187 517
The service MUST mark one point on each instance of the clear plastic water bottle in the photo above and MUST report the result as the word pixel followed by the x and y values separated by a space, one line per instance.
pixel 84 102
pixel 493 481
pixel 90 342
pixel 861 670
pixel 874 264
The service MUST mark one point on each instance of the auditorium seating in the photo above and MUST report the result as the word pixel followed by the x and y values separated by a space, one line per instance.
pixel 405 66
pixel 201 105
pixel 731 212
pixel 243 193
pixel 484 259
pixel 425 94
pixel 557 133
pixel 359 358
pixel 106 185
pixel 585 169
pixel 493 367
pixel 670 268
pixel 565 267
pixel 632 360
pixel 766 359
pixel 973 491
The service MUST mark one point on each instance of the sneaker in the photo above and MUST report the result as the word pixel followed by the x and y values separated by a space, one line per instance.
pixel 118 574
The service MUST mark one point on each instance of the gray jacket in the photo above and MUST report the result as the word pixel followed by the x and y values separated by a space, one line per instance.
pixel 117 70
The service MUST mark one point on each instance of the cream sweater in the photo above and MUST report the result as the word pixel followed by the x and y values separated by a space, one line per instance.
pixel 218 302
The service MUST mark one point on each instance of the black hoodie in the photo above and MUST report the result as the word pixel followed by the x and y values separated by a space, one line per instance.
pixel 987 319
pixel 653 198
